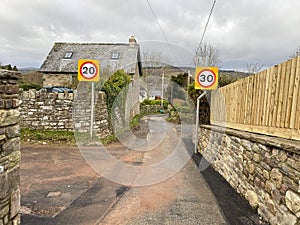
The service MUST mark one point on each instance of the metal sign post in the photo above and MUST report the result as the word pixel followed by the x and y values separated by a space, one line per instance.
pixel 162 89
pixel 197 119
pixel 89 70
pixel 92 108
pixel 206 78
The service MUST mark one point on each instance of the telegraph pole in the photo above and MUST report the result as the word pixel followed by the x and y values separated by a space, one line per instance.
pixel 162 89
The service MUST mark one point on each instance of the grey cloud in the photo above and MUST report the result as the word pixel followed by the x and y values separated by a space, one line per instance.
pixel 244 31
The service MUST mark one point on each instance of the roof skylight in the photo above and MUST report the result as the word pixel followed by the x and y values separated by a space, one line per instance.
pixel 115 55
pixel 68 55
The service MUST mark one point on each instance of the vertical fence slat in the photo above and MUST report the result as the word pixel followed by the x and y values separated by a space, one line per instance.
pixel 261 91
pixel 222 105
pixel 277 92
pixel 269 100
pixel 232 103
pixel 227 105
pixel 250 97
pixel 243 102
pixel 265 97
pixel 297 121
pixel 253 106
pixel 256 100
pixel 272 109
pixel 238 102
pixel 285 91
pixel 245 112
pixel 296 97
pixel 282 76
pixel 290 93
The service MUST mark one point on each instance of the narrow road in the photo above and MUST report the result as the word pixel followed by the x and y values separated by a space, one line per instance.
pixel 164 184
pixel 148 178
pixel 183 199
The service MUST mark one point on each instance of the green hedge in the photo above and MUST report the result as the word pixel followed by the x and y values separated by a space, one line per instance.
pixel 155 102
pixel 27 86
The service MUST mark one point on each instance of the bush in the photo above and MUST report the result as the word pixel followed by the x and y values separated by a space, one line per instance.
pixel 135 122
pixel 155 102
pixel 114 85
pixel 28 86
pixel 226 79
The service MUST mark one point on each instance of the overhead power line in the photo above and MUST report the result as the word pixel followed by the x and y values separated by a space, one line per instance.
pixel 162 31
pixel 160 27
pixel 208 19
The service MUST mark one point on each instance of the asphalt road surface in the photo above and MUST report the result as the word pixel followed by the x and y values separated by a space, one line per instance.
pixel 58 187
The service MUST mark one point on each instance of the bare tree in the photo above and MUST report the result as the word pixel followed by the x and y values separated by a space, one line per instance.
pixel 253 68
pixel 208 55
pixel 155 59
pixel 296 53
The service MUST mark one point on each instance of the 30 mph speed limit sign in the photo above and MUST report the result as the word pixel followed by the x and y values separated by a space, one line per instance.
pixel 88 70
pixel 206 78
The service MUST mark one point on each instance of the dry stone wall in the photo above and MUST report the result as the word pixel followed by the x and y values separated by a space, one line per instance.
pixel 56 111
pixel 82 112
pixel 46 111
pixel 263 169
pixel 9 149
pixel 148 109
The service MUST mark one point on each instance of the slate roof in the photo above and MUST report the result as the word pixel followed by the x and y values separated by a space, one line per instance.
pixel 56 62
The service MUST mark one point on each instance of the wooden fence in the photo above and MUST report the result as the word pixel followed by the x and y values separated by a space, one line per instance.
pixel 267 102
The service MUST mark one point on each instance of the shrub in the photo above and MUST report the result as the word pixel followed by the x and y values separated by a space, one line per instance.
pixel 155 102
pixel 28 86
pixel 114 85
pixel 135 122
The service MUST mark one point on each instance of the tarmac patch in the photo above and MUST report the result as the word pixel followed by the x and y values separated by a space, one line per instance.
pixel 54 194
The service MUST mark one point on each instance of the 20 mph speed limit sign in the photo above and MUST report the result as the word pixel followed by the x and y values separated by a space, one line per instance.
pixel 88 70
pixel 206 78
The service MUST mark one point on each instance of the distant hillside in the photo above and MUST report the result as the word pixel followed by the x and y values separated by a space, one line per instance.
pixel 28 69
pixel 154 73
pixel 171 71
pixel 234 74
pixel 8 67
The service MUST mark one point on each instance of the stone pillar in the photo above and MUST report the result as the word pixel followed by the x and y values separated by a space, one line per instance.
pixel 9 148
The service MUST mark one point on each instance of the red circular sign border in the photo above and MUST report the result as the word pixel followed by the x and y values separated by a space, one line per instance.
pixel 94 66
pixel 215 76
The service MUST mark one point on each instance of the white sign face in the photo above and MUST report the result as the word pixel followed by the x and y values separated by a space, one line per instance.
pixel 206 78
pixel 88 70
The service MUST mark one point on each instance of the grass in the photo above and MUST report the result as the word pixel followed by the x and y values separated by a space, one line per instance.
pixel 60 137
pixel 69 137
pixel 135 122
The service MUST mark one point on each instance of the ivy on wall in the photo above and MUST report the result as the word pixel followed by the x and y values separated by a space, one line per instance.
pixel 117 82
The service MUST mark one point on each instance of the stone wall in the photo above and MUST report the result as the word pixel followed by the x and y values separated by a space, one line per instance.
pixel 82 112
pixel 148 109
pixel 263 169
pixel 46 111
pixel 9 149
pixel 55 111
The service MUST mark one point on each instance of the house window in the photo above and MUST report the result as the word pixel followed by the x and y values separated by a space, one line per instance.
pixel 68 55
pixel 115 55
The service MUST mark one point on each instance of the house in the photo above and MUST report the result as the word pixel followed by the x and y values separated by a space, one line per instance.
pixel 60 66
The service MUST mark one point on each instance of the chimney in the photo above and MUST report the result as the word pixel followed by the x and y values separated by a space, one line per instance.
pixel 132 41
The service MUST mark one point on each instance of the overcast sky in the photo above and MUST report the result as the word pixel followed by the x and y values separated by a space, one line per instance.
pixel 244 31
